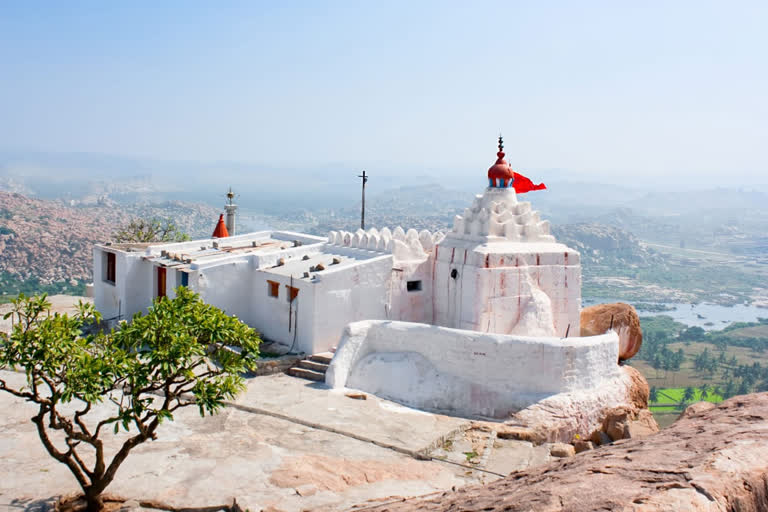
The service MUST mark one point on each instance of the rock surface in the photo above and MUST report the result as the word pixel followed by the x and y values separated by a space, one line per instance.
pixel 563 417
pixel 629 423
pixel 715 459
pixel 562 450
pixel 639 393
pixel 598 319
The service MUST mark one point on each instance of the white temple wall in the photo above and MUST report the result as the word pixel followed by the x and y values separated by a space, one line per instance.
pixel 348 295
pixel 466 372
pixel 139 285
pixel 492 289
pixel 414 305
pixel 133 288
pixel 227 286
pixel 276 318
pixel 455 299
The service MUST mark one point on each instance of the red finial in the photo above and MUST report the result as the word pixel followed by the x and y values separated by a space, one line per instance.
pixel 501 173
pixel 221 229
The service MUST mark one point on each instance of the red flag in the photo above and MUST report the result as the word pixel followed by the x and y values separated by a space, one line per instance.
pixel 523 184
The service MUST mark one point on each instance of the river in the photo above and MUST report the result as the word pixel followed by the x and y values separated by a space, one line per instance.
pixel 707 316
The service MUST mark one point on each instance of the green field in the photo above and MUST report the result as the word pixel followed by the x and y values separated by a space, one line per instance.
pixel 669 399
pixel 711 365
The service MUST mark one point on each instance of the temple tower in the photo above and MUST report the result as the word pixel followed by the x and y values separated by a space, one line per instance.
pixel 500 270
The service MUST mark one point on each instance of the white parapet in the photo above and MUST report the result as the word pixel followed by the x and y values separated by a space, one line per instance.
pixel 405 246
pixel 468 373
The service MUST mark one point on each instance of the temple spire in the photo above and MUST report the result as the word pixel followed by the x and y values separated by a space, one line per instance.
pixel 501 144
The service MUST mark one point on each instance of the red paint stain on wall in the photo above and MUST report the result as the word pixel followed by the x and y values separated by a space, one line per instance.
pixel 487 260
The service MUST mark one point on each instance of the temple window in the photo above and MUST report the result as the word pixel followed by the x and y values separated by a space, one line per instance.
pixel 273 288
pixel 413 286
pixel 110 267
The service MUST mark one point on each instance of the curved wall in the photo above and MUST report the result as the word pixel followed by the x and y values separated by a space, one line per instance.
pixel 467 372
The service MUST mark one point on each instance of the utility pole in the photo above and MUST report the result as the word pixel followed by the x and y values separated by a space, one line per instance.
pixel 362 211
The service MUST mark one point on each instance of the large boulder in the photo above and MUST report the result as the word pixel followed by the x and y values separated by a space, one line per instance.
pixel 713 460
pixel 638 393
pixel 622 317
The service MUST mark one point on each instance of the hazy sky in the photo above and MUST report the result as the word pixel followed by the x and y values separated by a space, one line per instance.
pixel 628 88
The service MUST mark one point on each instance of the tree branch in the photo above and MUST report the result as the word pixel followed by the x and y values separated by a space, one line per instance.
pixel 64 458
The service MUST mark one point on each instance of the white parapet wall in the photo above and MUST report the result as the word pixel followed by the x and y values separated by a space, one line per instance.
pixel 468 373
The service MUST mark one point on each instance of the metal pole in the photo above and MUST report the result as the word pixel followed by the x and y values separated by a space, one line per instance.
pixel 362 211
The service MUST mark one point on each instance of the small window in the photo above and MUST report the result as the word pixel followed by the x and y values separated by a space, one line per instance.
pixel 182 279
pixel 413 286
pixel 273 288
pixel 161 273
pixel 110 267
pixel 292 293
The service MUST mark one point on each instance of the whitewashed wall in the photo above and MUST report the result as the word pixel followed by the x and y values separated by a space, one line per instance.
pixel 347 295
pixel 270 315
pixel 228 287
pixel 466 372
pixel 492 287
pixel 134 286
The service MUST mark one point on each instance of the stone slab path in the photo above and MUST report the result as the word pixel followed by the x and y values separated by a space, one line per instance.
pixel 262 460
pixel 286 444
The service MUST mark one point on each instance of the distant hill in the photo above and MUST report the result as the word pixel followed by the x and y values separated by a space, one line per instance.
pixel 47 242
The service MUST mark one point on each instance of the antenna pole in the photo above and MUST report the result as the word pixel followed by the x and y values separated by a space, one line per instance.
pixel 362 210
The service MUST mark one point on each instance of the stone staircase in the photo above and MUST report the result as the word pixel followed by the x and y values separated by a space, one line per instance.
pixel 313 367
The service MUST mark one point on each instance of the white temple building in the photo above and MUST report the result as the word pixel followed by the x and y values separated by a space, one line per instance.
pixel 499 270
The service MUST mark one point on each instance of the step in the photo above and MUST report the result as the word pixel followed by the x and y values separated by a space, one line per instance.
pixel 303 373
pixel 313 365
pixel 322 357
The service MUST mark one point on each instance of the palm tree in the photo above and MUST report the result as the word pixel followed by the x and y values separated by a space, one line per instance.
pixel 688 394
pixel 654 395
pixel 703 391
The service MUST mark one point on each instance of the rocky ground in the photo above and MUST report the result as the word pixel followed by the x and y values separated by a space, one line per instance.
pixel 287 444
pixel 715 458
pixel 52 241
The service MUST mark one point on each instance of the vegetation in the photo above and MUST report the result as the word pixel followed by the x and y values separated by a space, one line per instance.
pixel 150 230
pixel 651 307
pixel 177 355
pixel 720 364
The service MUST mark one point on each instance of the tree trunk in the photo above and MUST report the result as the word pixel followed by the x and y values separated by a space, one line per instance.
pixel 93 501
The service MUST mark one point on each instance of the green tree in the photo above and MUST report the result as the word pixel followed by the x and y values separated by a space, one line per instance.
pixel 653 397
pixel 703 391
pixel 177 355
pixel 688 394
pixel 150 230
